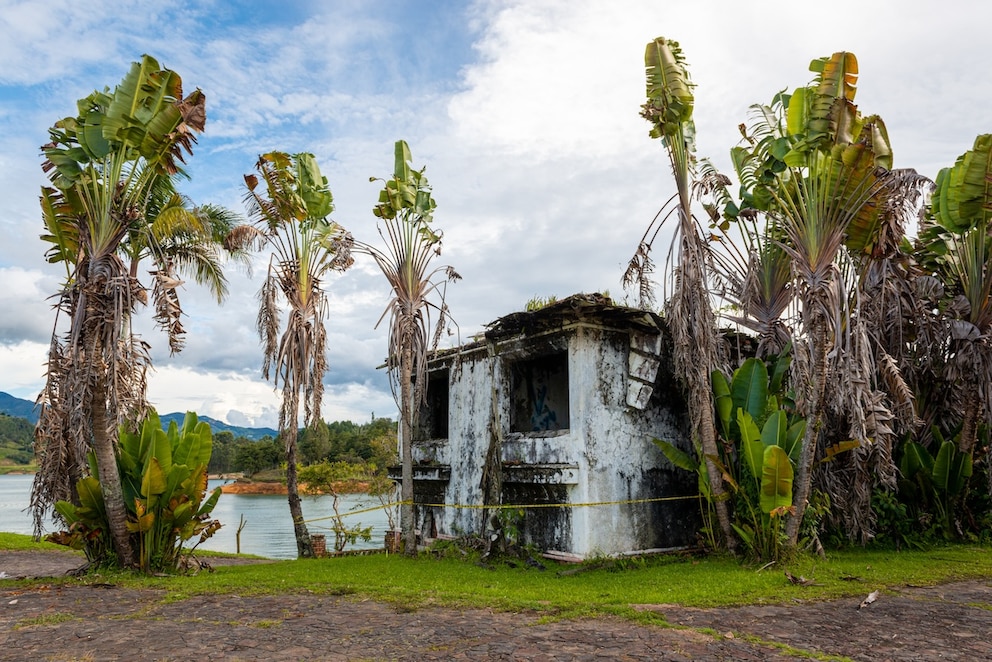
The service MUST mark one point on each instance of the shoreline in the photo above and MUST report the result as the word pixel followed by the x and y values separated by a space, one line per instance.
pixel 249 487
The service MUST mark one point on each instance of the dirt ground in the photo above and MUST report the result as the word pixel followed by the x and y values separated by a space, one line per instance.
pixel 105 622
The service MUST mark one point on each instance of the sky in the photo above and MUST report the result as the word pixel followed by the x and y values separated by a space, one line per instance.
pixel 525 114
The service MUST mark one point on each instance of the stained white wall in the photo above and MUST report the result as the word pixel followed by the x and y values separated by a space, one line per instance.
pixel 608 446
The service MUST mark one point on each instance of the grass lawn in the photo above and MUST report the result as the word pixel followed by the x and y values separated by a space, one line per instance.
pixel 597 587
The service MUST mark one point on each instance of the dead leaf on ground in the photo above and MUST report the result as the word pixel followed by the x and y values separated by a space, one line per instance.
pixel 799 581
pixel 870 599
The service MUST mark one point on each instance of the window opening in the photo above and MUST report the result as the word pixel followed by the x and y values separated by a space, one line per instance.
pixel 540 394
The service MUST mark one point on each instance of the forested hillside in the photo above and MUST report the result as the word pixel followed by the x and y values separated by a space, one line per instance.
pixel 16 438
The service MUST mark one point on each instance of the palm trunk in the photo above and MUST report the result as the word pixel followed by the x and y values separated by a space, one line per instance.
pixel 969 423
pixel 700 336
pixel 807 452
pixel 707 439
pixel 304 544
pixel 407 513
pixel 110 479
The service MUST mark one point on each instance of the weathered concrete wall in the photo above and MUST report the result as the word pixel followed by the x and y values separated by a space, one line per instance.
pixel 604 454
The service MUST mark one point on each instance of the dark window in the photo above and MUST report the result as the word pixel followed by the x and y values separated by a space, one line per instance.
pixel 432 422
pixel 540 394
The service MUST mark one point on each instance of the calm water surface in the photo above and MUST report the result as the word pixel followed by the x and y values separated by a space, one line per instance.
pixel 268 529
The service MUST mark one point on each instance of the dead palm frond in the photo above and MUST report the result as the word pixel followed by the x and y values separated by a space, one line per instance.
pixel 406 208
pixel 103 166
pixel 688 311
pixel 289 215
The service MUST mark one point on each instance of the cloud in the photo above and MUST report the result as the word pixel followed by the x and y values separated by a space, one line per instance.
pixel 23 368
pixel 526 115
pixel 24 296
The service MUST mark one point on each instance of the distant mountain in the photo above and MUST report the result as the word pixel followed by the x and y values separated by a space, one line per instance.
pixel 17 407
pixel 13 406
pixel 217 426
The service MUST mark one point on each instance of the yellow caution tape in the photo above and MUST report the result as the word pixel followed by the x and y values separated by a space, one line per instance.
pixel 508 506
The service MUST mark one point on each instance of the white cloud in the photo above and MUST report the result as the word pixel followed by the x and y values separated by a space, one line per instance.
pixel 525 114
pixel 24 296
pixel 22 366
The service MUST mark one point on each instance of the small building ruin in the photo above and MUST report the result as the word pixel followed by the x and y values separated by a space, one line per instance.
pixel 554 410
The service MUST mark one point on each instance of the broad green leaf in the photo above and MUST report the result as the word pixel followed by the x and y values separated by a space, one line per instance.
pixel 794 438
pixel 722 401
pixel 154 481
pixel 752 447
pixel 669 92
pixel 182 513
pixel 676 456
pixel 774 432
pixel 749 388
pixel 68 512
pixel 776 480
pixel 951 469
pixel 90 493
pixel 207 506
pixel 915 458
pixel 780 370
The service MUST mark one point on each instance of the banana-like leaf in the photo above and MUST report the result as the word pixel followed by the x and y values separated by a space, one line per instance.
pixel 676 456
pixel 207 506
pixel 775 432
pixel 752 446
pixel 669 92
pixel 68 512
pixel 963 195
pixel 153 483
pixel 838 75
pixel 749 389
pixel 182 513
pixel 776 480
pixel 951 469
pixel 793 440
pixel 90 494
pixel 915 459
pixel 313 187
pixel 722 400
pixel 142 523
pixel 776 379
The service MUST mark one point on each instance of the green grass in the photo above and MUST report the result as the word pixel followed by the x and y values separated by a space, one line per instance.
pixel 603 587
pixel 20 542
pixel 44 619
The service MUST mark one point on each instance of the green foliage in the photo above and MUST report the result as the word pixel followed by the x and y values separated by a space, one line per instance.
pixel 164 480
pixel 537 303
pixel 761 431
pixel 964 191
pixel 933 486
pixel 16 440
pixel 669 91
pixel 330 478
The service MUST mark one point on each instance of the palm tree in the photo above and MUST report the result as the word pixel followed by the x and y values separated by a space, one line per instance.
pixel 290 215
pixel 821 173
pixel 181 240
pixel 688 310
pixel 406 208
pixel 102 165
pixel 958 234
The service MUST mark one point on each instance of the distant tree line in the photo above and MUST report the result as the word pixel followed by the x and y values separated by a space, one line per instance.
pixel 16 440
pixel 372 443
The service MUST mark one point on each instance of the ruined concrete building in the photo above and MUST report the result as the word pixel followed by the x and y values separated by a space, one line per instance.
pixel 555 409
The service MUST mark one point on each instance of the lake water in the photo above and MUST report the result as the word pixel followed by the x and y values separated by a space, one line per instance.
pixel 268 529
